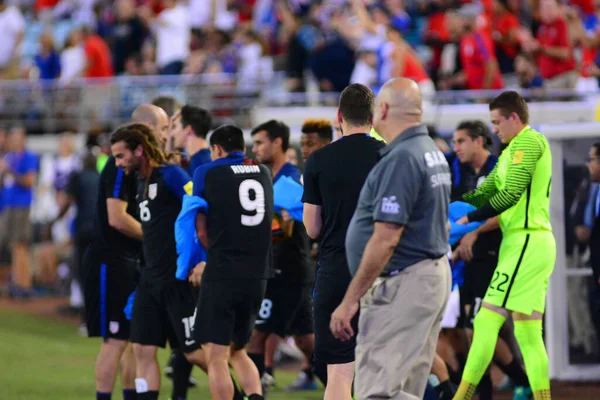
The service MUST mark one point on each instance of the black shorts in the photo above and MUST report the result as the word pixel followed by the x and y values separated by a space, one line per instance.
pixel 107 283
pixel 478 275
pixel 286 309
pixel 328 295
pixel 227 311
pixel 164 310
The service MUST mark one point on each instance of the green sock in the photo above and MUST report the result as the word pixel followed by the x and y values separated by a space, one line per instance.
pixel 531 342
pixel 486 327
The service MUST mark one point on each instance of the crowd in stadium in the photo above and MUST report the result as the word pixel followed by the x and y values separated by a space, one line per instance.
pixel 442 44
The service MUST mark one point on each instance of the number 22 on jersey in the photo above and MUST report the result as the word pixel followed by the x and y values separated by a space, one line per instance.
pixel 256 205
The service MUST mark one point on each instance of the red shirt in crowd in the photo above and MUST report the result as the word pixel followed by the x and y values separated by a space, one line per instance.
pixel 413 68
pixel 504 24
pixel 437 30
pixel 555 34
pixel 99 62
pixel 476 49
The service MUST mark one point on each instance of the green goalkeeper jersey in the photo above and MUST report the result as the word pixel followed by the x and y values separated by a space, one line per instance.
pixel 518 189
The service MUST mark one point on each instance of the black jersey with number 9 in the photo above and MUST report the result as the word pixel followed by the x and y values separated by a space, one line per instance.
pixel 239 194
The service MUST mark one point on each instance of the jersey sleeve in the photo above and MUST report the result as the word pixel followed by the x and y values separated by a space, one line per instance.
pixel 395 193
pixel 114 188
pixel 177 180
pixel 524 154
pixel 198 180
pixel 312 193
pixel 483 193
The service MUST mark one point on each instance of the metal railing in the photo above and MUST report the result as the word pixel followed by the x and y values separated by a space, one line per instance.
pixel 49 107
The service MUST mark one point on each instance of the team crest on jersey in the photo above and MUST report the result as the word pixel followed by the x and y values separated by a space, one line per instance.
pixel 518 157
pixel 113 327
pixel 152 190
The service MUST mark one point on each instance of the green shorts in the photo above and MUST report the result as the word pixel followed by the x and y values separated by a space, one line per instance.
pixel 525 263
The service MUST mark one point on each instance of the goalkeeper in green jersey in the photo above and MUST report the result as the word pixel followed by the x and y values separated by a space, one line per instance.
pixel 518 191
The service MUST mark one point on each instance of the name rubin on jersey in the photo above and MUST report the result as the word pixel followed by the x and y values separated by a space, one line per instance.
pixel 245 169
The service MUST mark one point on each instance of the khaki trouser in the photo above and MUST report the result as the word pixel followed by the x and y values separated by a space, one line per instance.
pixel 567 80
pixel 398 328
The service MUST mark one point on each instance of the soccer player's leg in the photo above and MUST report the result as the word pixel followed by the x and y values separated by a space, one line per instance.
pixel 107 285
pixel 303 330
pixel 519 284
pixel 148 332
pixel 337 355
pixel 527 300
pixel 275 316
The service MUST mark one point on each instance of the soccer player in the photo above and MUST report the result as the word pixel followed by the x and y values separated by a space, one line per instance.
pixel 287 307
pixel 518 191
pixel 164 307
pixel 479 249
pixel 190 128
pixel 109 274
pixel 237 235
pixel 333 179
pixel 155 118
pixel 316 133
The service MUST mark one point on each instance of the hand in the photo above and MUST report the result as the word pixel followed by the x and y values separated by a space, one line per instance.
pixel 463 221
pixel 465 248
pixel 340 321
pixel 456 255
pixel 582 233
pixel 285 216
pixel 3 167
pixel 531 46
pixel 196 275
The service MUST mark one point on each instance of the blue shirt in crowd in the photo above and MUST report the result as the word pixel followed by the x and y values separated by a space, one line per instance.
pixel 13 194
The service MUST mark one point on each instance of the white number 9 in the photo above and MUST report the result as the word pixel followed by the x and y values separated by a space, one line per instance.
pixel 257 205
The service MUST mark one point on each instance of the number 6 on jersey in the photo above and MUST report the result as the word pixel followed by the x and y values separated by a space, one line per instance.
pixel 256 205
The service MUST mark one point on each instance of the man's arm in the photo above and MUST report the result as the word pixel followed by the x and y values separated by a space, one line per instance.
pixel 377 253
pixel 524 156
pixel 487 189
pixel 119 219
pixel 312 199
pixel 201 229
pixel 312 220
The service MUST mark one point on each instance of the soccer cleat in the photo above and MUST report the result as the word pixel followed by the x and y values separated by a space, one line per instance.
pixel 268 382
pixel 522 393
pixel 302 382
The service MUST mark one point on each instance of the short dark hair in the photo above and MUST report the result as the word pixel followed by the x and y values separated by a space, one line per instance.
pixel 357 104
pixel 229 137
pixel 275 129
pixel 322 127
pixel 476 129
pixel 198 118
pixel 511 102
pixel 597 147
pixel 168 103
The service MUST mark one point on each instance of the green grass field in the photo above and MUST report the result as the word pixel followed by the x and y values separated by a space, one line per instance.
pixel 41 358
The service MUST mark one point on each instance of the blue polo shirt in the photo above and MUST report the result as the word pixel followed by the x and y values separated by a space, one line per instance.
pixel 13 194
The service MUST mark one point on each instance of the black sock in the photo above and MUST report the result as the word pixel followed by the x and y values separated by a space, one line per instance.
pixel 259 361
pixel 129 394
pixel 445 390
pixel 320 370
pixel 515 372
pixel 255 397
pixel 269 370
pixel 151 395
pixel 309 373
pixel 485 387
pixel 182 370
pixel 103 396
